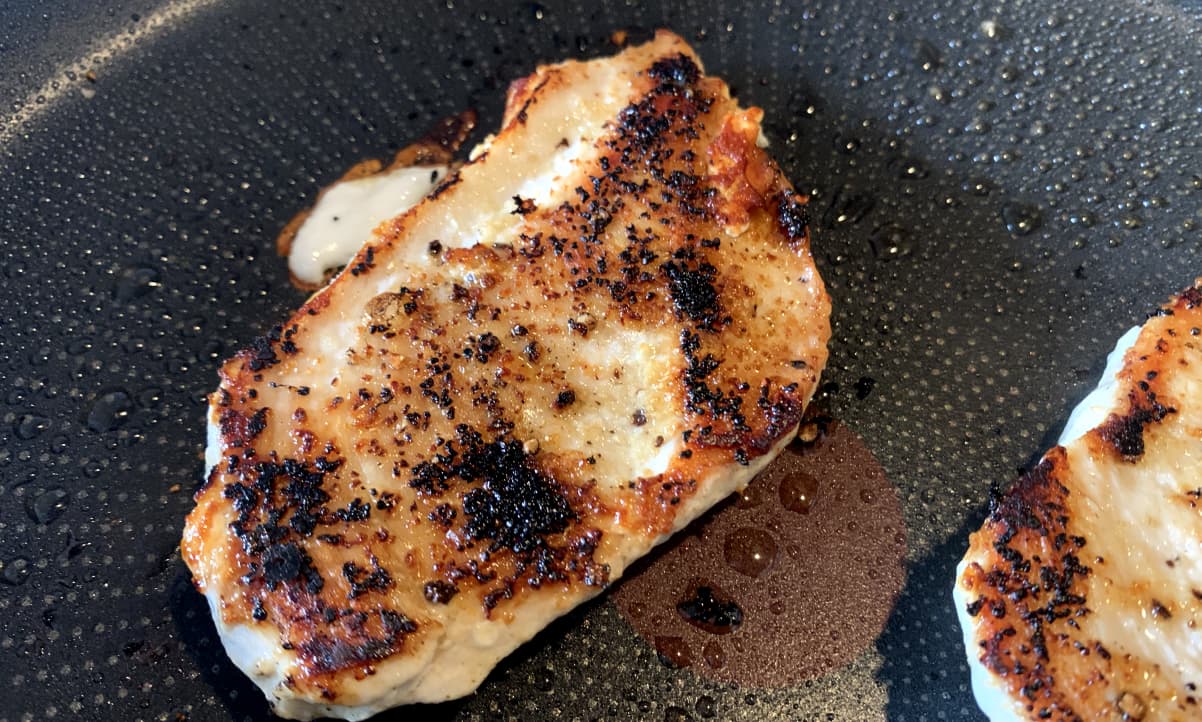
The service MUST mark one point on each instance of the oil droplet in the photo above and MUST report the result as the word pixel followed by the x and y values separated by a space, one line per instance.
pixel 890 241
pixel 797 492
pixel 135 283
pixel 16 571
pixel 150 398
pixel 847 144
pixel 79 346
pixel 777 607
pixel 978 126
pixel 1084 219
pixel 49 505
pixel 1021 219
pixel 110 411
pixel 749 551
pixel 30 426
pixel 847 206
pixel 708 608
pixel 910 168
pixel 706 706
pixel 835 258
pixel 673 652
pixel 977 186
pixel 867 496
pixel 750 497
pixel 714 655
pixel 926 55
pixel 994 30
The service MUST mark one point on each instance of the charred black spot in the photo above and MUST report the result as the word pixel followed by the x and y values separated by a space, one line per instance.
pixel 565 399
pixel 275 503
pixel 517 506
pixel 678 70
pixel 287 562
pixel 397 623
pixel 793 216
pixel 429 477
pixel 1126 432
pixel 356 510
pixel 693 291
pixel 363 580
pixel 366 263
pixel 238 429
pixel 523 206
pixel 484 347
pixel 443 515
pixel 1160 611
pixel 260 354
pixel 642 126
pixel 354 646
pixel 439 592
pixel 701 397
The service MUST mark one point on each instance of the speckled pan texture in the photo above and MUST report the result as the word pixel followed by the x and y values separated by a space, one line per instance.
pixel 999 191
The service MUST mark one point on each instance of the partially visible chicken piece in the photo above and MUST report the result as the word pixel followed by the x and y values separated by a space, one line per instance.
pixel 605 323
pixel 1081 596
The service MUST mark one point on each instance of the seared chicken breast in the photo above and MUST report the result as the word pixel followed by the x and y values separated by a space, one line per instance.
pixel 1081 596
pixel 603 324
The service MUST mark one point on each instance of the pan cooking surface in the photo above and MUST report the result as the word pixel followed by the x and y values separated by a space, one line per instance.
pixel 998 193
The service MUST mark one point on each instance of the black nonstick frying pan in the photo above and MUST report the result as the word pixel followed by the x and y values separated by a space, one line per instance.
pixel 1000 190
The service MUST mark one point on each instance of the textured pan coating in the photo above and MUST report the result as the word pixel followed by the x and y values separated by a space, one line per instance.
pixel 604 324
pixel 1081 596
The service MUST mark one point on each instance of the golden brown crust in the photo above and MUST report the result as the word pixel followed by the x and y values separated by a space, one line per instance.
pixel 1035 577
pixel 455 375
